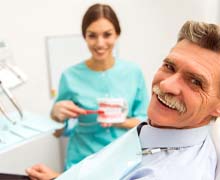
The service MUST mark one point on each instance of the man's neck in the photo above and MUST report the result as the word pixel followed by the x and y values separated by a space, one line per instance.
pixel 202 123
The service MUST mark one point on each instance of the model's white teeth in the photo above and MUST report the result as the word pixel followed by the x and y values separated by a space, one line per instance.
pixel 169 101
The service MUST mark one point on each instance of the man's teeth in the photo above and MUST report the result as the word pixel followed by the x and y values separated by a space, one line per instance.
pixel 169 101
pixel 172 105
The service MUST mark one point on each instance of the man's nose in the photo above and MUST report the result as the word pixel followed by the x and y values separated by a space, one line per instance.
pixel 171 84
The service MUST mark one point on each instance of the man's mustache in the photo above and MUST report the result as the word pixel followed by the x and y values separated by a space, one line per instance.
pixel 169 100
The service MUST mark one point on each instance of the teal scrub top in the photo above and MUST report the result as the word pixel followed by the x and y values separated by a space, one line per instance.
pixel 84 86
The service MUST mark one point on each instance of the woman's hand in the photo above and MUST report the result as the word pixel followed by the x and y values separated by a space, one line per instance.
pixel 66 109
pixel 41 172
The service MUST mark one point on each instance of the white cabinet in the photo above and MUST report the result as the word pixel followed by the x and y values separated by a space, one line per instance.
pixel 40 147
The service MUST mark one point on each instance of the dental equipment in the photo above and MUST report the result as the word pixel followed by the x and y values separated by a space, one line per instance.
pixel 13 101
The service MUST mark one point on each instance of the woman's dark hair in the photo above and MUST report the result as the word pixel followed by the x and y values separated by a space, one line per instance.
pixel 98 11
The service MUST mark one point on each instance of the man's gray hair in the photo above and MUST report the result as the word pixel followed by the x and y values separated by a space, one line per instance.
pixel 203 34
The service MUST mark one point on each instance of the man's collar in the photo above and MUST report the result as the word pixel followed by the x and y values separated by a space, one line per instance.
pixel 152 137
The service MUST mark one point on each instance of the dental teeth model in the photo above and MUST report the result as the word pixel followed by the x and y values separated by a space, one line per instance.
pixel 114 110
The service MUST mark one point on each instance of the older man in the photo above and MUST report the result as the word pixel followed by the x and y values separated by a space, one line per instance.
pixel 175 144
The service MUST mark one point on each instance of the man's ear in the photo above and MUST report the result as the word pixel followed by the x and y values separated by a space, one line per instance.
pixel 216 112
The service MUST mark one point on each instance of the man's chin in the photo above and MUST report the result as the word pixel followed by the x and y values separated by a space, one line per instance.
pixel 162 124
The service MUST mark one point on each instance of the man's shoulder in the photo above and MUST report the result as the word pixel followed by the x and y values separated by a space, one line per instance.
pixel 121 156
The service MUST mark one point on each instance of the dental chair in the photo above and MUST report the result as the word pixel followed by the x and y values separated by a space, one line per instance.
pixel 215 132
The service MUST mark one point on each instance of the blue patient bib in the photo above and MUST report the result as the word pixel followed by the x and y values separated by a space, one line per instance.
pixel 111 163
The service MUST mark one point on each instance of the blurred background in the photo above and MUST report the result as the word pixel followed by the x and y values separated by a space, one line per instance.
pixel 149 30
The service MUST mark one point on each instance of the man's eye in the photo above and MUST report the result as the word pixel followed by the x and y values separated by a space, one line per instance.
pixel 169 67
pixel 196 82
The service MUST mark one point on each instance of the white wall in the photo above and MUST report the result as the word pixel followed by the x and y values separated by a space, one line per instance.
pixel 149 29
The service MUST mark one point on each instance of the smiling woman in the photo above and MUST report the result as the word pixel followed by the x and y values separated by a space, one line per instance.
pixel 101 37
pixel 100 76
